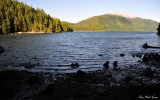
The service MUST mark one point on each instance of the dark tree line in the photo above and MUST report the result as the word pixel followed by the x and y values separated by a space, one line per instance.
pixel 18 17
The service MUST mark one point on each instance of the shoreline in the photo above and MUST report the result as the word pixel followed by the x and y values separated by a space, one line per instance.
pixel 32 32
pixel 17 33
pixel 130 83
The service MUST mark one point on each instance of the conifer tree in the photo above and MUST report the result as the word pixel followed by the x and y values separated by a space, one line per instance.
pixel 16 16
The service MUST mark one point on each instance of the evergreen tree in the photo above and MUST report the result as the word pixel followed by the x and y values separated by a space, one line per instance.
pixel 25 27
pixel 4 27
pixel 16 16
pixel 58 26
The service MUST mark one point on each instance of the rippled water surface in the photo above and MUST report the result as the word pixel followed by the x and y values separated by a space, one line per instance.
pixel 55 52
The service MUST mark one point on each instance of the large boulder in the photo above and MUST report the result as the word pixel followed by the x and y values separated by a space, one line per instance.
pixel 1 49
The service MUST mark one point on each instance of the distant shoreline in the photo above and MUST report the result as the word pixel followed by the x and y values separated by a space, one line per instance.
pixel 16 33
pixel 32 32
pixel 112 31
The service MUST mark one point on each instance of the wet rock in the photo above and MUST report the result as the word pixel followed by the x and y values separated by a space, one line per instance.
pixel 76 65
pixel 115 64
pixel 72 65
pixel 133 55
pixel 145 45
pixel 151 57
pixel 29 65
pixel 34 57
pixel 139 55
pixel 1 49
pixel 48 89
pixel 100 55
pixel 106 65
pixel 122 55
pixel 148 72
pixel 145 57
pixel 80 74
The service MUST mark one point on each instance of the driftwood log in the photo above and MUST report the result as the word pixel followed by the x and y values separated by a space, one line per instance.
pixel 145 45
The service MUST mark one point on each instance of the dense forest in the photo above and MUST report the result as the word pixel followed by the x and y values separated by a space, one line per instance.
pixel 109 22
pixel 18 17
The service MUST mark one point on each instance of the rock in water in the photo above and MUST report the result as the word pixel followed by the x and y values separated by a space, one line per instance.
pixel 76 65
pixel 80 74
pixel 1 49
pixel 106 65
pixel 29 65
pixel 100 55
pixel 115 64
pixel 122 55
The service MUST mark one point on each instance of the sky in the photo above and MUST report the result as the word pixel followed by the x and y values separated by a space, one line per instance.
pixel 76 10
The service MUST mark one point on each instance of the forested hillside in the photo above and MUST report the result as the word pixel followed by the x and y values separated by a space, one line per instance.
pixel 109 22
pixel 18 17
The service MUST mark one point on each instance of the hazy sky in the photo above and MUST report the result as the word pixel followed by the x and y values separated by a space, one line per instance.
pixel 77 10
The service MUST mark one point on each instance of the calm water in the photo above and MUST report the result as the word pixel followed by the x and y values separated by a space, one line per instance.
pixel 55 52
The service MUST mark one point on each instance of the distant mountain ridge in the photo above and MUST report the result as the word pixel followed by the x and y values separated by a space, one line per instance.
pixel 112 22
pixel 123 14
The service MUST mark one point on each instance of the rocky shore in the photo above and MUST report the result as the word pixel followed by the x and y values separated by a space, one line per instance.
pixel 129 83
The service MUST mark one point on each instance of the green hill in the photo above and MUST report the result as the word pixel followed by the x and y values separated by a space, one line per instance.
pixel 109 22
pixel 18 17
